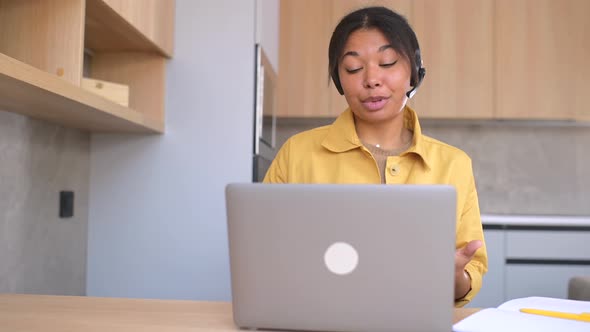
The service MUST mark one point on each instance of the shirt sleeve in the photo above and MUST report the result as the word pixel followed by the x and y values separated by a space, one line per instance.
pixel 277 172
pixel 470 228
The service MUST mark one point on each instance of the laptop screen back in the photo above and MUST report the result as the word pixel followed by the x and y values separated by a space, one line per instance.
pixel 342 257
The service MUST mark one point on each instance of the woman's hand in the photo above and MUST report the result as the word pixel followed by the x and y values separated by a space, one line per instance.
pixel 462 257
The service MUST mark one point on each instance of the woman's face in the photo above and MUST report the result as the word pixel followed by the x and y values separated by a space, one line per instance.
pixel 374 77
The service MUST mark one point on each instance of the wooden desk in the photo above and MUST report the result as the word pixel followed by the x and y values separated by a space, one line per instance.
pixel 34 313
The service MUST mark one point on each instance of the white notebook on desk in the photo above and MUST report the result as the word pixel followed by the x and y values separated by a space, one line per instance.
pixel 508 318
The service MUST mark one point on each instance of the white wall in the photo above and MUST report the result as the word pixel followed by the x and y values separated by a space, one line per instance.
pixel 157 226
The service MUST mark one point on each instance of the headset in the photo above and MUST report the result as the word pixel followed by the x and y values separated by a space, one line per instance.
pixel 420 70
pixel 421 73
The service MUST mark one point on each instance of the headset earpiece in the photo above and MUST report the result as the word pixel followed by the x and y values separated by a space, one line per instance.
pixel 421 71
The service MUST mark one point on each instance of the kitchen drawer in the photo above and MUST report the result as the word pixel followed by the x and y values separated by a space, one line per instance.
pixel 548 244
pixel 524 280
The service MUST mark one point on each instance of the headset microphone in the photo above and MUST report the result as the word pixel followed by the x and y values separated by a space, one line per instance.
pixel 421 74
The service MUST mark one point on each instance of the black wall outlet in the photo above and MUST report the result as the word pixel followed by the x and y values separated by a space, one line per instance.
pixel 66 204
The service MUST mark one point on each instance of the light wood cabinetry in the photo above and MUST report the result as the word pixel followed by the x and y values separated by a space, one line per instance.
pixel 456 42
pixel 342 7
pixel 144 73
pixel 42 45
pixel 48 35
pixel 130 25
pixel 486 59
pixel 541 51
pixel 27 90
pixel 303 58
pixel 580 84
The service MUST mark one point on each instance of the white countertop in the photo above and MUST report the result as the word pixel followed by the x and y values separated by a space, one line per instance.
pixel 528 220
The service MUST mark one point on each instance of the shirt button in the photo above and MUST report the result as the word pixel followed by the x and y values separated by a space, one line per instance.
pixel 394 169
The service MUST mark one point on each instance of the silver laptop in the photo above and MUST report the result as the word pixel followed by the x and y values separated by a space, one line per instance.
pixel 342 257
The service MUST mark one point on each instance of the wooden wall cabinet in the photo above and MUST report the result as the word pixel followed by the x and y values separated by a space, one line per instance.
pixel 42 46
pixel 486 59
pixel 303 89
pixel 542 47
pixel 456 42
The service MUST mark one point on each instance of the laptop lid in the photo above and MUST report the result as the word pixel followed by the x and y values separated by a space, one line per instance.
pixel 342 257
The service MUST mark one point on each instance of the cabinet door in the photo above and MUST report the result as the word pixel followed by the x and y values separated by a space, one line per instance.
pixel 523 280
pixel 541 262
pixel 581 70
pixel 491 294
pixel 456 42
pixel 540 58
pixel 548 244
pixel 305 28
pixel 342 7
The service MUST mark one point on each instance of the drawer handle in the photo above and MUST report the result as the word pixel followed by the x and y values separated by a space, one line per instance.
pixel 542 261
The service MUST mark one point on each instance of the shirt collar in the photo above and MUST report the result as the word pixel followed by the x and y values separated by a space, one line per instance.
pixel 342 135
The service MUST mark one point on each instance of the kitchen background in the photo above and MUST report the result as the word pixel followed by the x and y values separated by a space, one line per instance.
pixel 149 215
pixel 521 167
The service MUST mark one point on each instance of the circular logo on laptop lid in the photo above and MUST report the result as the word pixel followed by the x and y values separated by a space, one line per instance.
pixel 341 258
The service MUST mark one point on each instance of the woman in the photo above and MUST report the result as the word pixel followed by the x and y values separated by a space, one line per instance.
pixel 374 61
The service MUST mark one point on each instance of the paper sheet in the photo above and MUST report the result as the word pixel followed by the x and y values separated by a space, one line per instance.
pixel 547 303
pixel 496 320
pixel 508 317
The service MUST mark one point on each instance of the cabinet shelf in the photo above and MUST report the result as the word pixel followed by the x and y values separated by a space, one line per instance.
pixel 33 92
pixel 111 26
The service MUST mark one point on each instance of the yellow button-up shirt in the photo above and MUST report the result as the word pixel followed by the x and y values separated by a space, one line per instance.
pixel 335 154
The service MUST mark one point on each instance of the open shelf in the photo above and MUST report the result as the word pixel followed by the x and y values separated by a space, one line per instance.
pixel 43 62
pixel 113 26
pixel 33 92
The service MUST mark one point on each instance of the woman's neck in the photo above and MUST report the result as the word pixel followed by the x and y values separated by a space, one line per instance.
pixel 385 135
